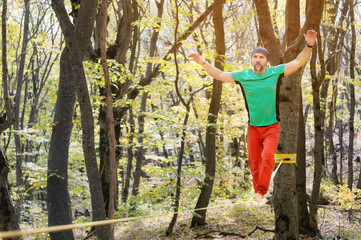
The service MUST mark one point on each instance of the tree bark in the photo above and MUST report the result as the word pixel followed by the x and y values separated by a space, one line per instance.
pixel 118 52
pixel 19 87
pixel 8 115
pixel 285 203
pixel 199 218
pixel 340 142
pixel 336 39
pixel 72 81
pixel 184 131
pixel 317 81
pixel 293 24
pixel 130 155
pixel 331 128
pixel 58 201
pixel 140 150
pixel 109 116
pixel 8 216
pixel 303 213
pixel 352 96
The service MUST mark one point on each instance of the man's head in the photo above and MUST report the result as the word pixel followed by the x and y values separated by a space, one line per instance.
pixel 260 57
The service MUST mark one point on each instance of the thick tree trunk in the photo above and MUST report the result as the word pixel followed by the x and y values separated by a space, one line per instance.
pixel 8 217
pixel 285 195
pixel 318 150
pixel 303 213
pixel 285 203
pixel 77 40
pixel 109 116
pixel 117 52
pixel 199 218
pixel 293 24
pixel 59 210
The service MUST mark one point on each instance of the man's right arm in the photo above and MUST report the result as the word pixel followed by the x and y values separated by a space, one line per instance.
pixel 211 70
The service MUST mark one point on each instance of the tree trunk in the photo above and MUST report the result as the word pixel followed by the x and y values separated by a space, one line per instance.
pixel 8 217
pixel 140 150
pixel 352 97
pixel 358 186
pixel 8 115
pixel 125 190
pixel 109 116
pixel 199 218
pixel 318 164
pixel 285 203
pixel 73 80
pixel 303 213
pixel 184 131
pixel 200 137
pixel 59 211
pixel 331 127
pixel 179 172
pixel 293 24
pixel 317 81
pixel 336 39
pixel 290 104
pixel 20 79
pixel 118 52
pixel 340 141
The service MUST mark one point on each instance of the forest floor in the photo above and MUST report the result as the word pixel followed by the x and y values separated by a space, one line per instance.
pixel 228 220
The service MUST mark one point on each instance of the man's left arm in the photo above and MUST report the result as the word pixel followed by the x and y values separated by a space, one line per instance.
pixel 302 58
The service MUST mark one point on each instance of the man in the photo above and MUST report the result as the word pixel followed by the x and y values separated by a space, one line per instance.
pixel 260 88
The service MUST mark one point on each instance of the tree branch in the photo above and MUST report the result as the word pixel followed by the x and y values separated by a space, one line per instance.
pixel 148 79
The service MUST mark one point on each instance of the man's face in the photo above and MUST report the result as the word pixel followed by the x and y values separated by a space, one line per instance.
pixel 259 62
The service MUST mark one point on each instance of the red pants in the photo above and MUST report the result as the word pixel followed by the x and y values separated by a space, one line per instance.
pixel 262 145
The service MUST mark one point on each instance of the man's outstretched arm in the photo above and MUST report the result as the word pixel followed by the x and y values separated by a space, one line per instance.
pixel 302 58
pixel 211 70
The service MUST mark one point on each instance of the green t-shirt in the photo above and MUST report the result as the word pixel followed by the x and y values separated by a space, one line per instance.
pixel 261 92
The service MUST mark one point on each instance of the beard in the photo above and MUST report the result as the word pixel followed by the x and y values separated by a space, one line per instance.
pixel 258 68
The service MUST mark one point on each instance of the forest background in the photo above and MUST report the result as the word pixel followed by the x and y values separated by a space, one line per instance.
pixel 110 88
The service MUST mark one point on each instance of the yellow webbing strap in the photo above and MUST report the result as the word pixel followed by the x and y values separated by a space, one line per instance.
pixel 285 158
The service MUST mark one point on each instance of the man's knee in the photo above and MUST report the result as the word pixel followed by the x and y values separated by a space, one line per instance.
pixel 268 160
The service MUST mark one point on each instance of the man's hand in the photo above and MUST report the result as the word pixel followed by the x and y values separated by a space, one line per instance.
pixel 211 70
pixel 301 59
pixel 196 58
pixel 310 37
